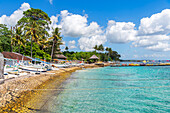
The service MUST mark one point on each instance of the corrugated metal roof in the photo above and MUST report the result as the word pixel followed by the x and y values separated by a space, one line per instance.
pixel 13 55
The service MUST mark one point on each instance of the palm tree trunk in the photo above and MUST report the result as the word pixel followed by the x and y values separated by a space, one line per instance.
pixel 19 48
pixel 108 55
pixel 11 38
pixel 25 49
pixel 31 46
pixel 99 57
pixel 52 51
pixel 11 48
pixel 104 57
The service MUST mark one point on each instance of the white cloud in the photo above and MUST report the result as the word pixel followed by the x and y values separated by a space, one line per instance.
pixel 160 47
pixel 145 41
pixel 71 44
pixel 154 55
pixel 51 1
pixel 120 32
pixel 62 47
pixel 13 18
pixel 74 25
pixel 87 43
pixel 135 56
pixel 157 24
pixel 54 23
pixel 153 33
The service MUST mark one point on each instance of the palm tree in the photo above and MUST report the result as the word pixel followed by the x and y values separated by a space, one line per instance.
pixel 107 50
pixel 43 41
pixel 95 47
pixel 66 48
pixel 35 22
pixel 12 38
pixel 5 38
pixel 19 38
pixel 100 48
pixel 57 41
pixel 110 51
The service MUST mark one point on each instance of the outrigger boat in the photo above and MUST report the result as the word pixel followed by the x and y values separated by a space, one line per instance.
pixel 33 68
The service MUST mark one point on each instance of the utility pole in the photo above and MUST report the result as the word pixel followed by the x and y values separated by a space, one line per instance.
pixel 12 31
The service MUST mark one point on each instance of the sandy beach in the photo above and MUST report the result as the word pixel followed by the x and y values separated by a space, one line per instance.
pixel 21 94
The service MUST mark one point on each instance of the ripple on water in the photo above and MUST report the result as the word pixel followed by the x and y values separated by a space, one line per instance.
pixel 124 95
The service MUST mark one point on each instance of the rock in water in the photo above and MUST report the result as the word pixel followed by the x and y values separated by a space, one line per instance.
pixel 1 66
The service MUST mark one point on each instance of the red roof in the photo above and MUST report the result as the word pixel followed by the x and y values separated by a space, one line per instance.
pixel 13 55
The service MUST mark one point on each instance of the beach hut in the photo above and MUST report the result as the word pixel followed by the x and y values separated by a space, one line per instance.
pixel 94 58
pixel 60 56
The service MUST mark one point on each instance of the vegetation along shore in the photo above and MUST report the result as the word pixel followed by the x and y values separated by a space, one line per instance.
pixel 31 41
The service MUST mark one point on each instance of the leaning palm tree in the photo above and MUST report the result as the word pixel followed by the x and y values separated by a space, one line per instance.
pixel 57 41
pixel 101 48
pixel 34 22
pixel 95 47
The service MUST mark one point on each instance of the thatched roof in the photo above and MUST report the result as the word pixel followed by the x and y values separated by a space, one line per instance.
pixel 94 57
pixel 16 56
pixel 59 56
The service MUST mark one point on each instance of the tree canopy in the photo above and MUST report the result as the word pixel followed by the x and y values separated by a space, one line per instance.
pixel 30 37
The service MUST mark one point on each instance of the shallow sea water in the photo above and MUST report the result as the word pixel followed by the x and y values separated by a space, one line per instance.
pixel 114 89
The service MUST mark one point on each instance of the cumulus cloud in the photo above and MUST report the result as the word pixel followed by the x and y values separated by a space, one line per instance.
pixel 54 23
pixel 74 25
pixel 87 43
pixel 145 41
pixel 150 56
pixel 71 44
pixel 160 47
pixel 157 24
pixel 120 32
pixel 13 18
pixel 153 33
pixel 62 47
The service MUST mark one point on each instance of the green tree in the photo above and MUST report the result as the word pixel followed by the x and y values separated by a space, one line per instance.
pixel 5 38
pixel 19 38
pixel 95 47
pixel 101 49
pixel 66 48
pixel 35 22
pixel 57 41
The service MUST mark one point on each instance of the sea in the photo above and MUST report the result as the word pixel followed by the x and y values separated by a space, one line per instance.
pixel 140 89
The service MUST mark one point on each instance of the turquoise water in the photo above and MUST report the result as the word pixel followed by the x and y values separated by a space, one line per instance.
pixel 115 89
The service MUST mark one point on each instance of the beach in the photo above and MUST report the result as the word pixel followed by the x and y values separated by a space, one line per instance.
pixel 21 94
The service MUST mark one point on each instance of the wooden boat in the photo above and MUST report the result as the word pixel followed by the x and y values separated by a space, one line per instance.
pixel 101 64
pixel 33 68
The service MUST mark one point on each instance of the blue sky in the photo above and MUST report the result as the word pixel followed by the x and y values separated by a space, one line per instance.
pixel 102 22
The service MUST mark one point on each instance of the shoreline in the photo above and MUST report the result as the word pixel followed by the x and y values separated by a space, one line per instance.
pixel 18 94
